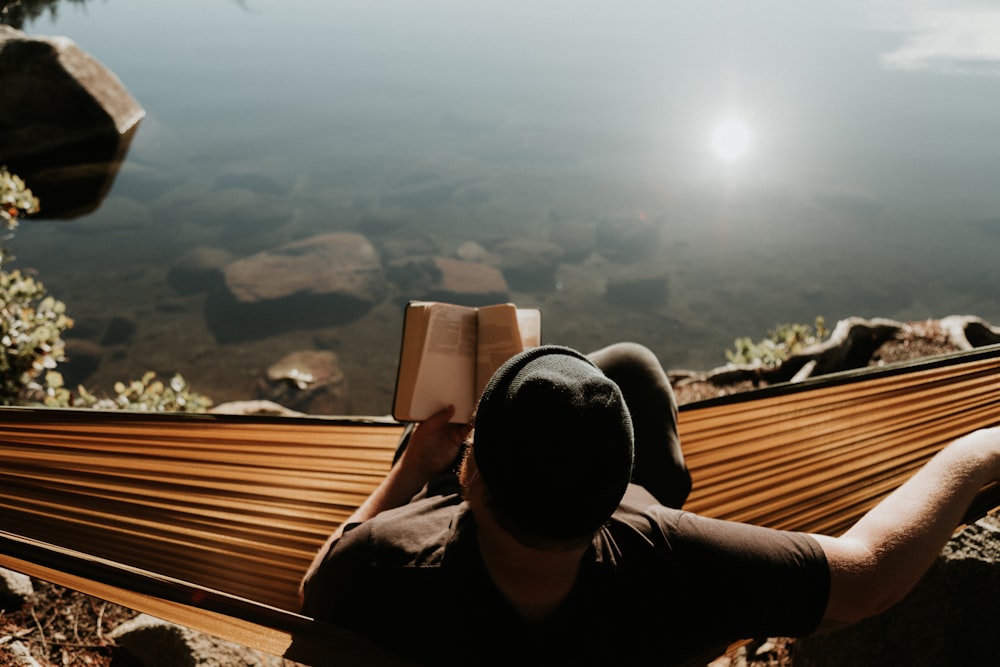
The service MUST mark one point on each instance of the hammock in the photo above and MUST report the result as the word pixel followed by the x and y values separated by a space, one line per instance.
pixel 210 520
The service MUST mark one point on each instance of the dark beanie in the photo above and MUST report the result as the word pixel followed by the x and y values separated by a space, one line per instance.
pixel 553 443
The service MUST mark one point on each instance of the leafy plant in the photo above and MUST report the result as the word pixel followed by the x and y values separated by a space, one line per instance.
pixel 31 321
pixel 31 346
pixel 148 395
pixel 16 199
pixel 782 342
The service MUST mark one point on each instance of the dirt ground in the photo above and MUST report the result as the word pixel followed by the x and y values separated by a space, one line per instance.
pixel 63 628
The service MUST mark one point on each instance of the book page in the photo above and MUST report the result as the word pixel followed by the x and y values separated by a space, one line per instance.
pixel 529 322
pixel 446 373
pixel 499 340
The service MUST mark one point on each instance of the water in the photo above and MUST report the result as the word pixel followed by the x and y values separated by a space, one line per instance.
pixel 866 184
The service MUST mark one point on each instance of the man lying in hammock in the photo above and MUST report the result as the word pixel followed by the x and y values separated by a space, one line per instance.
pixel 560 540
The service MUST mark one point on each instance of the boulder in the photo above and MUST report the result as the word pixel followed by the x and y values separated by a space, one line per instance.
pixel 453 280
pixel 66 121
pixel 309 381
pixel 315 282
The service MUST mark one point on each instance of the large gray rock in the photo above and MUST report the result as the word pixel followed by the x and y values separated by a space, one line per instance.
pixel 66 121
pixel 950 618
pixel 320 281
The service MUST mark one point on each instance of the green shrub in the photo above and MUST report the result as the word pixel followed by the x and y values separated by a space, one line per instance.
pixel 148 395
pixel 31 321
pixel 16 199
pixel 782 342
pixel 31 346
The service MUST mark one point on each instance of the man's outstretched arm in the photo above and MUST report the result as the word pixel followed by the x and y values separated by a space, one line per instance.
pixel 882 557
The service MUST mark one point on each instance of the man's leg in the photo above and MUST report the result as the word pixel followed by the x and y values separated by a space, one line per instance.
pixel 659 462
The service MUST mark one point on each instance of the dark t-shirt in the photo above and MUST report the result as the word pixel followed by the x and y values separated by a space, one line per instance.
pixel 658 586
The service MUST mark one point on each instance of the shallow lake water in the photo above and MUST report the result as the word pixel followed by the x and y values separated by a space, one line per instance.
pixel 780 162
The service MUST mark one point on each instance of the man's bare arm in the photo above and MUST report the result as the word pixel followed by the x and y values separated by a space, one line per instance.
pixel 879 560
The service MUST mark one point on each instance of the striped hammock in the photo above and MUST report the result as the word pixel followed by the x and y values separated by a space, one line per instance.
pixel 210 521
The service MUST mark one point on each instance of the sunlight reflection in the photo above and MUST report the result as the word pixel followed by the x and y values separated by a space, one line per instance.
pixel 731 140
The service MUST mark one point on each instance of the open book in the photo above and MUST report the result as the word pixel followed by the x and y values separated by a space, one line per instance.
pixel 449 353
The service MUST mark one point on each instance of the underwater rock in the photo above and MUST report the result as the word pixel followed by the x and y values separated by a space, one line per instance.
pixel 577 239
pixel 642 290
pixel 259 183
pixel 529 264
pixel 120 331
pixel 66 121
pixel 472 251
pixel 83 358
pixel 199 270
pixel 628 239
pixel 445 279
pixel 320 281
pixel 310 381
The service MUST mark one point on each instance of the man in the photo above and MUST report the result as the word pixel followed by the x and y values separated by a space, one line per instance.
pixel 560 546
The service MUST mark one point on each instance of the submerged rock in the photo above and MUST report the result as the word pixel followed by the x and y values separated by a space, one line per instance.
pixel 529 264
pixel 453 280
pixel 310 381
pixel 320 281
pixel 629 239
pixel 199 270
pixel 638 290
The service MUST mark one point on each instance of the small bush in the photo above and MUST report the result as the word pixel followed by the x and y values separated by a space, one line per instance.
pixel 16 200
pixel 31 346
pixel 148 395
pixel 782 342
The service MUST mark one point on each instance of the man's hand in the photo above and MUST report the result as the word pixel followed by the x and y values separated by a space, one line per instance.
pixel 434 444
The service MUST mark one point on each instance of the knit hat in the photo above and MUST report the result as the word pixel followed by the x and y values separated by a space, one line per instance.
pixel 553 443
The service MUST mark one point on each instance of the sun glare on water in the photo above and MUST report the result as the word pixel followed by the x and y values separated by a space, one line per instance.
pixel 731 140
